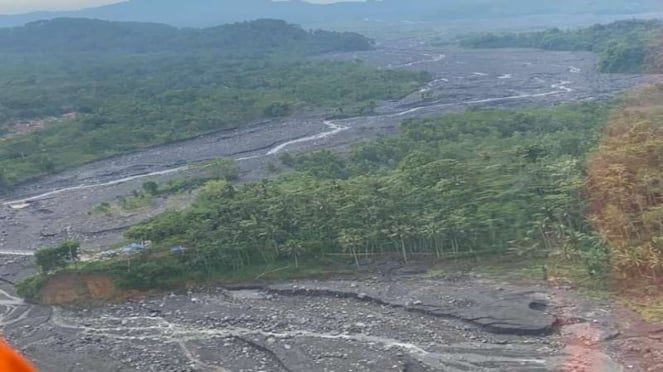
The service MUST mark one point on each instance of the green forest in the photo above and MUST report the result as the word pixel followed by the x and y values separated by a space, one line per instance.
pixel 479 183
pixel 152 84
pixel 254 38
pixel 630 46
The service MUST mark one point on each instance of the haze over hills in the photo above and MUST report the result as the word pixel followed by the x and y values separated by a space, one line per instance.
pixel 152 84
pixel 254 37
pixel 197 13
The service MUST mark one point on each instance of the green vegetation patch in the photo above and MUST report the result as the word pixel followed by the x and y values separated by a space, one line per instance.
pixel 31 287
pixel 133 85
pixel 631 46
pixel 482 183
pixel 151 192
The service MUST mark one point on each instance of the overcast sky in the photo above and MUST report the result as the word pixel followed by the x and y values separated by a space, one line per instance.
pixel 20 6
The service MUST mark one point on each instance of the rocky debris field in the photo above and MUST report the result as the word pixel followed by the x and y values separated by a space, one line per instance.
pixel 58 206
pixel 398 321
pixel 406 320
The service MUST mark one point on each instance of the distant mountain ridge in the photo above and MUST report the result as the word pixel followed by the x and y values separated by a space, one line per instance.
pixel 201 13
pixel 253 37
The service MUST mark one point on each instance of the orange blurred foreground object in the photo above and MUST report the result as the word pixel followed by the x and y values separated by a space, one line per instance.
pixel 12 361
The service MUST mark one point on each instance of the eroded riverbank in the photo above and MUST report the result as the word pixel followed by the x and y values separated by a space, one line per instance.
pixel 394 318
pixel 58 205
pixel 400 321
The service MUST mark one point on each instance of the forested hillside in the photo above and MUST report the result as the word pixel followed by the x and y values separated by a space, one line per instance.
pixel 201 13
pixel 66 99
pixel 259 37
pixel 483 182
pixel 624 46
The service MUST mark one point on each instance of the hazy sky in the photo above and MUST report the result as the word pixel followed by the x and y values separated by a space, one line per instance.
pixel 19 6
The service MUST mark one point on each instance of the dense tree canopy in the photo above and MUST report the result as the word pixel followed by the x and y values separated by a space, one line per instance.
pixel 181 83
pixel 486 181
pixel 239 39
pixel 624 46
pixel 57 257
